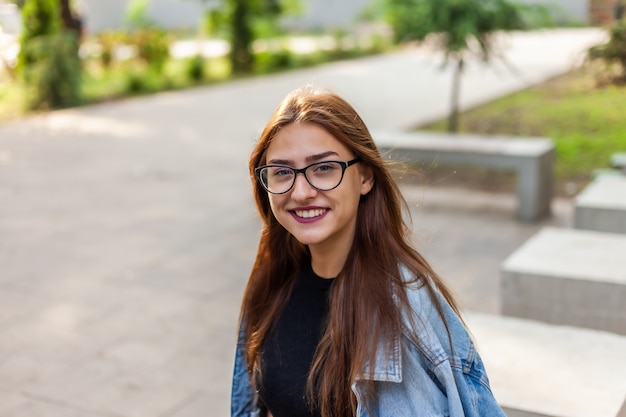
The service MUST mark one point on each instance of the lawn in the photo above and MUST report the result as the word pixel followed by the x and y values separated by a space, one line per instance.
pixel 582 113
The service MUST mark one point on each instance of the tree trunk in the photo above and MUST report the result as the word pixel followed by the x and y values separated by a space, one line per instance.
pixel 453 118
pixel 70 21
pixel 241 38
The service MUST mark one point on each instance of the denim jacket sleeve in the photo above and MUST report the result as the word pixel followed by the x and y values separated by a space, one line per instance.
pixel 243 398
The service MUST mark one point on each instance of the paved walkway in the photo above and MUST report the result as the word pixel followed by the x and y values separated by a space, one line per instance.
pixel 127 229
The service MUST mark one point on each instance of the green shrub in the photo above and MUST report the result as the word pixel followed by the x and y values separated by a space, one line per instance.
pixel 109 41
pixel 135 82
pixel 266 62
pixel 152 46
pixel 195 69
pixel 614 51
pixel 53 76
pixel 39 18
pixel 139 80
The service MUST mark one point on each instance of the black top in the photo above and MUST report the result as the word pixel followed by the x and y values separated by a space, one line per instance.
pixel 288 349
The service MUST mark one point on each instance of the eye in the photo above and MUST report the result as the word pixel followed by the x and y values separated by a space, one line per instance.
pixel 325 167
pixel 280 172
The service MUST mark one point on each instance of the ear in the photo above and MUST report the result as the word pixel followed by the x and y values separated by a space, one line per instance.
pixel 367 179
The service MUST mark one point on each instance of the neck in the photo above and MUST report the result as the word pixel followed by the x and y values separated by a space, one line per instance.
pixel 328 260
pixel 327 267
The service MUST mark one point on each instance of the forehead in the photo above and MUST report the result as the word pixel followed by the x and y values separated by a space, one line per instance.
pixel 297 141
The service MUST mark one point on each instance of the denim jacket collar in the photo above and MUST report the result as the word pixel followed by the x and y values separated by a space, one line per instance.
pixel 388 366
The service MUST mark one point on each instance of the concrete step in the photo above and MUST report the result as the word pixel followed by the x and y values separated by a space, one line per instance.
pixel 601 205
pixel 567 276
pixel 542 370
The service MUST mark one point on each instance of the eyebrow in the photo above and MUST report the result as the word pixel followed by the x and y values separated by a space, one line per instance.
pixel 308 159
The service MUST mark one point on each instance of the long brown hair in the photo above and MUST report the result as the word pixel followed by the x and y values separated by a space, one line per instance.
pixel 363 310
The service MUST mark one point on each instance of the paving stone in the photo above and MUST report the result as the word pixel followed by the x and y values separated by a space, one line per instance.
pixel 105 387
pixel 20 405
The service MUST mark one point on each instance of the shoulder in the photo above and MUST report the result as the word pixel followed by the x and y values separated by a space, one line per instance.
pixel 436 329
pixel 440 331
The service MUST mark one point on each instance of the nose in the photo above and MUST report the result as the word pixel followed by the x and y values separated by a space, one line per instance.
pixel 302 190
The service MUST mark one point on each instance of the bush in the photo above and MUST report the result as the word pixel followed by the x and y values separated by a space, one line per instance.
pixel 152 46
pixel 109 41
pixel 39 18
pixel 614 51
pixel 266 62
pixel 138 79
pixel 53 76
pixel 195 69
pixel 135 82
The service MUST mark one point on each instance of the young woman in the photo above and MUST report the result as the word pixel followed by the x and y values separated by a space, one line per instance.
pixel 341 315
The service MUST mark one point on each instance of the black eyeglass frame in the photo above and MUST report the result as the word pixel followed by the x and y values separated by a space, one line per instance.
pixel 344 165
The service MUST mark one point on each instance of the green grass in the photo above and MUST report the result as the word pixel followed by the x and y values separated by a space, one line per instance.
pixel 585 118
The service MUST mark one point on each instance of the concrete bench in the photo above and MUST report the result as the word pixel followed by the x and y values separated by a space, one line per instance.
pixel 539 370
pixel 618 161
pixel 531 158
pixel 601 205
pixel 570 277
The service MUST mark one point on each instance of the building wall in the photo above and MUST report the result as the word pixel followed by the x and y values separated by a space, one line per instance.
pixel 602 12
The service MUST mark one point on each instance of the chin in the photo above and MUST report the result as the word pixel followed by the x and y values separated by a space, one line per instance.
pixel 307 239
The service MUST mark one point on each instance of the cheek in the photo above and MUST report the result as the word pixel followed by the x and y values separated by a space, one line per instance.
pixel 275 203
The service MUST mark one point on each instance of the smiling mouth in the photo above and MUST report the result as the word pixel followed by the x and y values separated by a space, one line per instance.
pixel 309 214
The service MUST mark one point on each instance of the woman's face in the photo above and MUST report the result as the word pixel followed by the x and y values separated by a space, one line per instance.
pixel 322 219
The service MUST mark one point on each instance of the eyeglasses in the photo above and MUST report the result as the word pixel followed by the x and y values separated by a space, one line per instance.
pixel 323 176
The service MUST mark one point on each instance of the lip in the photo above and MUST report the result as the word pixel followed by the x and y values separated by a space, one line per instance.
pixel 324 211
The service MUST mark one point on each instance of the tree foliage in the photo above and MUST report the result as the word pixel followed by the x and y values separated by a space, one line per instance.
pixel 461 27
pixel 39 18
pixel 48 61
pixel 460 22
pixel 136 14
pixel 241 18
pixel 614 51
pixel 53 76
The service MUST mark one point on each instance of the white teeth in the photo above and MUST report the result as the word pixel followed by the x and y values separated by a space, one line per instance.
pixel 307 214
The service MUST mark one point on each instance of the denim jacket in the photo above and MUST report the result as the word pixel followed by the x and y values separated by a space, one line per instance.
pixel 421 376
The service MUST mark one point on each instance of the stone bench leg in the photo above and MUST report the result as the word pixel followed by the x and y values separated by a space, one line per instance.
pixel 534 187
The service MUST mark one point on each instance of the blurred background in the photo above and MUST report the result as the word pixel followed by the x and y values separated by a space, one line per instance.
pixel 127 225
